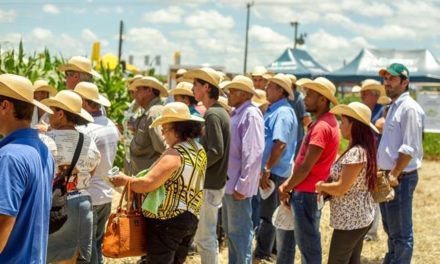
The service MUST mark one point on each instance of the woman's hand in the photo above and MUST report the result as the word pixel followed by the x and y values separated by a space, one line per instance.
pixel 120 180
pixel 318 187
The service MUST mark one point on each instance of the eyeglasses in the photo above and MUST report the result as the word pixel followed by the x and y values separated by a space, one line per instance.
pixel 166 129
pixel 70 74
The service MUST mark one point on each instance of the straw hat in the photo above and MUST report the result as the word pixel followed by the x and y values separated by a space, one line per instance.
pixel 90 92
pixel 180 71
pixel 175 112
pixel 223 84
pixel 356 110
pixel 301 81
pixel 384 100
pixel 373 85
pixel 128 81
pixel 206 74
pixel 183 88
pixel 70 102
pixel 284 82
pixel 79 64
pixel 322 86
pixel 149 81
pixel 223 101
pixel 43 86
pixel 356 89
pixel 260 100
pixel 241 83
pixel 20 88
pixel 292 78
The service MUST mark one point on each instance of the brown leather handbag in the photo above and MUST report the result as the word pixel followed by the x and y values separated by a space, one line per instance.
pixel 383 192
pixel 125 235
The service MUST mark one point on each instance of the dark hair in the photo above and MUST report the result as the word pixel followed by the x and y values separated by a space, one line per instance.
pixel 214 91
pixel 192 100
pixel 155 92
pixel 74 118
pixel 364 136
pixel 22 110
pixel 187 129
pixel 403 78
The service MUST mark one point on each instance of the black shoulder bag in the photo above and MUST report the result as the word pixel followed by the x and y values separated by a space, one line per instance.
pixel 58 211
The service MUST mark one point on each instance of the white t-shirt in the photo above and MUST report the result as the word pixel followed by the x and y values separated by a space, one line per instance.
pixel 106 137
pixel 65 145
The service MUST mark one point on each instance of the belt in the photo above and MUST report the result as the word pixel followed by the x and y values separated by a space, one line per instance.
pixel 402 174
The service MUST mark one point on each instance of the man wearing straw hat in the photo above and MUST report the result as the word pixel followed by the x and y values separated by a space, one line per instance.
pixel 27 170
pixel 78 69
pixel 42 91
pixel 312 164
pixel 244 166
pixel 259 76
pixel 216 143
pixel 106 136
pixel 183 93
pixel 148 143
pixel 280 142
pixel 400 155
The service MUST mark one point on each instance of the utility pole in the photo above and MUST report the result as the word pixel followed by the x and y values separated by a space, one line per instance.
pixel 121 36
pixel 248 6
pixel 295 25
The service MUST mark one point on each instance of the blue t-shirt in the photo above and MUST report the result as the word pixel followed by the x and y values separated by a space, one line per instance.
pixel 280 124
pixel 26 172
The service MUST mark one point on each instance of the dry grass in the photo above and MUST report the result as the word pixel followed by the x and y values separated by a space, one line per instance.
pixel 426 218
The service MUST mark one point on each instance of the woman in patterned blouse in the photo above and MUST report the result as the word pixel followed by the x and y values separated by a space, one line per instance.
pixel 352 178
pixel 181 170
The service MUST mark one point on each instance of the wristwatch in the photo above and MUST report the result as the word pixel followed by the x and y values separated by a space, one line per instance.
pixel 266 170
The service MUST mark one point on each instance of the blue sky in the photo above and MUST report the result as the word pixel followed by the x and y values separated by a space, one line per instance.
pixel 213 32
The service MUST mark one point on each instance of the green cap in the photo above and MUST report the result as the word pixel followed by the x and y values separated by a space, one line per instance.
pixel 395 69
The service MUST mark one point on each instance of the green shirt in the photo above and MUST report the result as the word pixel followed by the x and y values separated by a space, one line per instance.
pixel 216 143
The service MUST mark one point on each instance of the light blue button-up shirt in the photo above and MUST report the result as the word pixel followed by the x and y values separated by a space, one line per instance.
pixel 402 133
pixel 280 124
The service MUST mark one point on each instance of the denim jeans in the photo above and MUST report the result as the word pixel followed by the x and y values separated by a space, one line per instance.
pixel 237 223
pixel 307 235
pixel 256 200
pixel 397 221
pixel 206 235
pixel 267 232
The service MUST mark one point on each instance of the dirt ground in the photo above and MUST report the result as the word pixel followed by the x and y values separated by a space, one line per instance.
pixel 426 220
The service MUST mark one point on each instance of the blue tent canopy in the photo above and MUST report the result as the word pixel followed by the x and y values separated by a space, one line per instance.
pixel 297 62
pixel 421 63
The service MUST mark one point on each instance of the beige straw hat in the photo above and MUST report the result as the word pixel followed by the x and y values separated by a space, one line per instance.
pixel 241 83
pixel 302 81
pixel 384 100
pixel 90 92
pixel 69 101
pixel 43 86
pixel 322 86
pixel 149 81
pixel 223 101
pixel 370 84
pixel 206 74
pixel 183 88
pixel 128 81
pixel 20 88
pixel 260 100
pixel 356 110
pixel 292 78
pixel 79 64
pixel 175 112
pixel 284 82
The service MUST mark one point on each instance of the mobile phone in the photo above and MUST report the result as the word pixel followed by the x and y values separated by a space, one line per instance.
pixel 113 171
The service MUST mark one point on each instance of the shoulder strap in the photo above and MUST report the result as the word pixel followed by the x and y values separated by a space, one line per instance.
pixel 76 155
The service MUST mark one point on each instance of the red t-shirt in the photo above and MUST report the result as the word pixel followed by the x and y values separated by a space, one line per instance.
pixel 324 133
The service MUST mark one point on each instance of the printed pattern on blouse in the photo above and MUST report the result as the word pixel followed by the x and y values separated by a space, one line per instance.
pixel 355 209
pixel 184 190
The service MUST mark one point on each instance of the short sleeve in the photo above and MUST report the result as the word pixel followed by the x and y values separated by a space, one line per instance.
pixel 283 125
pixel 355 155
pixel 319 135
pixel 13 185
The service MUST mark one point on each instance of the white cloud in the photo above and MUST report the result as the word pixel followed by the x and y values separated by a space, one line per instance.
pixel 210 19
pixel 172 14
pixel 88 35
pixel 7 16
pixel 42 34
pixel 51 9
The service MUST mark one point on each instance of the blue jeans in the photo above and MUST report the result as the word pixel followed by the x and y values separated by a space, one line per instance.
pixel 237 224
pixel 267 232
pixel 307 235
pixel 397 221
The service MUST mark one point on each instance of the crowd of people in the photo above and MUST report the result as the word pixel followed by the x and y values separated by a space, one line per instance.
pixel 244 146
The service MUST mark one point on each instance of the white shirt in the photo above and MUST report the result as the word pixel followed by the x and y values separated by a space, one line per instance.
pixel 105 135
pixel 402 133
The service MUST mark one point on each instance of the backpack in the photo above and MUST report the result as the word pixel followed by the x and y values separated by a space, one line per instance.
pixel 58 211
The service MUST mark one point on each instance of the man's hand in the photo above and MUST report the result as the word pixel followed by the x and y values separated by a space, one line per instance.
pixel 238 196
pixel 284 193
pixel 264 180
